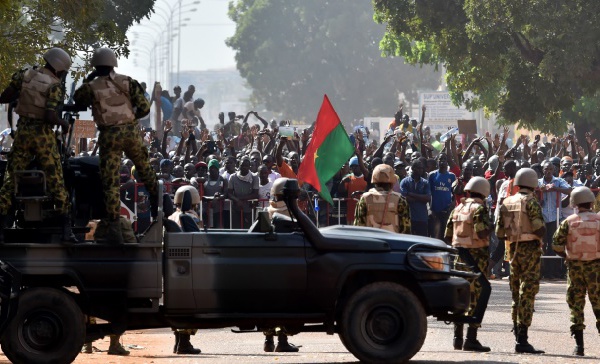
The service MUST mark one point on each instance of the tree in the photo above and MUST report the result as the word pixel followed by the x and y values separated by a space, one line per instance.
pixel 293 52
pixel 526 60
pixel 30 27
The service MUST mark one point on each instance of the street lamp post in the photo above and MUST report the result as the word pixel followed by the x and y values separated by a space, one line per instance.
pixel 179 39
pixel 177 6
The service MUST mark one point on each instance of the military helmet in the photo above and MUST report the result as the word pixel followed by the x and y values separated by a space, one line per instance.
pixel 581 195
pixel 383 173
pixel 478 185
pixel 278 185
pixel 555 161
pixel 181 191
pixel 526 177
pixel 104 57
pixel 58 59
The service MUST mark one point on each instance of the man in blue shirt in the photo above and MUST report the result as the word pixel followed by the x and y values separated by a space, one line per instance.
pixel 440 182
pixel 416 190
pixel 552 187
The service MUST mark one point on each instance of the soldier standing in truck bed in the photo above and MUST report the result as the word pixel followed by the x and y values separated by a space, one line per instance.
pixel 38 92
pixel 117 102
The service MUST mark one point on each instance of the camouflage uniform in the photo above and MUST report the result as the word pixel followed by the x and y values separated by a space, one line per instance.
pixel 362 211
pixel 481 222
pixel 35 138
pixel 124 137
pixel 583 275
pixel 525 265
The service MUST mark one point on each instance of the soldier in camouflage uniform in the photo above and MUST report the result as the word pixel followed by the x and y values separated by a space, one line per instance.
pixel 521 222
pixel 578 240
pixel 277 205
pixel 382 208
pixel 39 94
pixel 468 229
pixel 183 344
pixel 117 102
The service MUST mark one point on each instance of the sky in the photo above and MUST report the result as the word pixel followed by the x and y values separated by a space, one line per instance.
pixel 202 40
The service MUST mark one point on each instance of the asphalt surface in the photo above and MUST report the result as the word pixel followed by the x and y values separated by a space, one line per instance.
pixel 549 332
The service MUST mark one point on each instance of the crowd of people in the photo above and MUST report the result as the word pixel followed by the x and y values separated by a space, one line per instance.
pixel 233 166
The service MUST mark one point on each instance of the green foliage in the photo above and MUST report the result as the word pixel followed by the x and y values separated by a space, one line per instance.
pixel 30 27
pixel 526 60
pixel 293 52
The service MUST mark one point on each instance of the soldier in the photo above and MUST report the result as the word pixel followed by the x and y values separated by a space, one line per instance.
pixel 117 102
pixel 277 205
pixel 178 200
pixel 578 239
pixel 39 93
pixel 468 229
pixel 382 208
pixel 521 222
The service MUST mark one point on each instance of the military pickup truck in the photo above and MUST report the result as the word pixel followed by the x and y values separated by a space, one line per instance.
pixel 373 288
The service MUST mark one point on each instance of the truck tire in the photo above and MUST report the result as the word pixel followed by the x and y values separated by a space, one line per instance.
pixel 383 322
pixel 48 327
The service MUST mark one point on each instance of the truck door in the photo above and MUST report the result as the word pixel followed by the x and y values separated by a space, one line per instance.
pixel 248 272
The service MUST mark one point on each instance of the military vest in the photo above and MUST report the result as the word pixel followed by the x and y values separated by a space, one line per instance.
pixel 34 93
pixel 464 234
pixel 583 241
pixel 516 222
pixel 380 216
pixel 111 105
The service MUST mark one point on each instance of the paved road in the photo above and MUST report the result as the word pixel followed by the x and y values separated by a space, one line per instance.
pixel 550 332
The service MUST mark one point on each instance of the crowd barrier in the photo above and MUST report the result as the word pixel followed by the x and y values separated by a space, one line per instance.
pixel 223 214
pixel 223 210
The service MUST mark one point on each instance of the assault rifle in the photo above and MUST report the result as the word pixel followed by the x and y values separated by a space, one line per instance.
pixel 70 111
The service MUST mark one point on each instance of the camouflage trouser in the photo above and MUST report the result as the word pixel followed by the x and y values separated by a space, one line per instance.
pixel 35 141
pixel 481 257
pixel 113 141
pixel 582 277
pixel 524 279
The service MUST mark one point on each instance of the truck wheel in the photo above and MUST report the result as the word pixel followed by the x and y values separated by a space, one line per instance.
pixel 48 327
pixel 383 323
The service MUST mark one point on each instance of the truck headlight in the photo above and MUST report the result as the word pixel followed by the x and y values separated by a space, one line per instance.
pixel 436 261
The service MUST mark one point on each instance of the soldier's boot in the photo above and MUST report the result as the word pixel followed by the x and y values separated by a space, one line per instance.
pixel 176 333
pixel 578 334
pixel 472 344
pixel 2 226
pixel 87 348
pixel 458 336
pixel 115 347
pixel 114 235
pixel 269 345
pixel 522 345
pixel 67 230
pixel 283 346
pixel 185 346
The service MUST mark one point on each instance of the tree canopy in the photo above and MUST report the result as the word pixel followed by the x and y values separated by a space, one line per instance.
pixel 292 52
pixel 30 27
pixel 526 60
